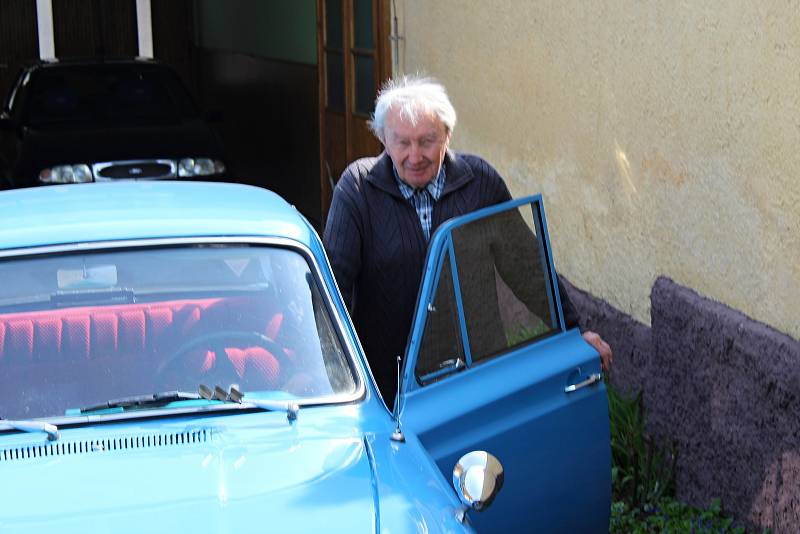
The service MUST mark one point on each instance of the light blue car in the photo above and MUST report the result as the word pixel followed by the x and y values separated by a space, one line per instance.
pixel 176 357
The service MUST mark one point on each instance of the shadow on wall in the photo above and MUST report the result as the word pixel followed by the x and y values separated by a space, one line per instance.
pixel 725 387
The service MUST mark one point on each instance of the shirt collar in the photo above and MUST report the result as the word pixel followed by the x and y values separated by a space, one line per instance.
pixel 435 187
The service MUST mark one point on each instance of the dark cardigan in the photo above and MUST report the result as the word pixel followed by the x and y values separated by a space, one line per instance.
pixel 376 246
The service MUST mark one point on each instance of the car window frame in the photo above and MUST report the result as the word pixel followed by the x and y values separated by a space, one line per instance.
pixel 11 103
pixel 441 244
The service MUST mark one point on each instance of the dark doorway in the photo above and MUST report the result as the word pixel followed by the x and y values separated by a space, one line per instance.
pixel 257 65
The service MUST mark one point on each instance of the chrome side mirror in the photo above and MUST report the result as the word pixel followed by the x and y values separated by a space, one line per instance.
pixel 477 478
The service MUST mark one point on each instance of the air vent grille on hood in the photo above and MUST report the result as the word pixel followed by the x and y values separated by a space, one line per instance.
pixel 70 448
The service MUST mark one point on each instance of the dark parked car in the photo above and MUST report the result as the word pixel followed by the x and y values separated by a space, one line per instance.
pixel 101 120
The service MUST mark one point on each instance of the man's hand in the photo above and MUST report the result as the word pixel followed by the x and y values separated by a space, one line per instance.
pixel 606 356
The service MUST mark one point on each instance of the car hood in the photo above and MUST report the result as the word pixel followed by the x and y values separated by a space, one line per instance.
pixel 274 476
pixel 164 482
pixel 54 145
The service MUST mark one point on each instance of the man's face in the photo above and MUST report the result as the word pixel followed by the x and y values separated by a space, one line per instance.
pixel 417 151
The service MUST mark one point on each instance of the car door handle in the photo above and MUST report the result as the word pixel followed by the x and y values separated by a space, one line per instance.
pixel 593 379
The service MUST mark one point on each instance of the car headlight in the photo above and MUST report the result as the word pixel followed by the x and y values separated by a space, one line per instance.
pixel 200 167
pixel 66 174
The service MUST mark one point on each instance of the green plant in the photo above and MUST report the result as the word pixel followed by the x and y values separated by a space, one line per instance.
pixel 643 480
pixel 670 515
pixel 643 470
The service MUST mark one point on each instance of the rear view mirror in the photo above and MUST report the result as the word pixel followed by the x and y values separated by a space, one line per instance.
pixel 88 277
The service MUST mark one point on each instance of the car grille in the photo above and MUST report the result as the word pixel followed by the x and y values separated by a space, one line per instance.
pixel 151 169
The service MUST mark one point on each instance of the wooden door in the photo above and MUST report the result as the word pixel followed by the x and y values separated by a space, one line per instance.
pixel 354 60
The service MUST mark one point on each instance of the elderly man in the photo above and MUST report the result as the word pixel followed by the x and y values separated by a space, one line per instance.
pixel 385 208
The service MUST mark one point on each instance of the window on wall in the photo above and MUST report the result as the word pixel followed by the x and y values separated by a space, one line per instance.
pixel 364 56
pixel 350 25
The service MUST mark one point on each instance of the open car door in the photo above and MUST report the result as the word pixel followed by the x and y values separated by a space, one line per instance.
pixel 490 366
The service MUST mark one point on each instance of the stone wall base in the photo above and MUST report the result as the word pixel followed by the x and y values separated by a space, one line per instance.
pixel 724 387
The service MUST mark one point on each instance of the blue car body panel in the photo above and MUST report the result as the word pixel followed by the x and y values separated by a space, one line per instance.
pixel 336 467
pixel 244 472
pixel 554 446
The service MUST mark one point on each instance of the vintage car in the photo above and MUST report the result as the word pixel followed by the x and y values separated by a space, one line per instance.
pixel 95 120
pixel 176 357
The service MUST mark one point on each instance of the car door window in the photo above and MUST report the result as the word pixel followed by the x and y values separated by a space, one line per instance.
pixel 494 292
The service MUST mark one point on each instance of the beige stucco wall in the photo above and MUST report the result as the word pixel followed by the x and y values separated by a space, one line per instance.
pixel 664 136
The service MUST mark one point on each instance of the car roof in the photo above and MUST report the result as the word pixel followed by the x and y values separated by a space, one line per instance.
pixel 80 213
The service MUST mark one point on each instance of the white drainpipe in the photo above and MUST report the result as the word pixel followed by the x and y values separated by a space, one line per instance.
pixel 144 27
pixel 44 26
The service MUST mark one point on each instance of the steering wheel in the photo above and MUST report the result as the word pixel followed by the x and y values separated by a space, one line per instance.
pixel 217 341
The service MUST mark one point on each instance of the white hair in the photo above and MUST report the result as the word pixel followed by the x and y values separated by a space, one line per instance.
pixel 414 96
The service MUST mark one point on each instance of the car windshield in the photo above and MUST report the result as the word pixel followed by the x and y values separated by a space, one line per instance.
pixel 107 94
pixel 80 329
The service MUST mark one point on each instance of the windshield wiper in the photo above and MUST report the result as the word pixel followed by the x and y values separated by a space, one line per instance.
pixel 31 426
pixel 235 396
pixel 143 401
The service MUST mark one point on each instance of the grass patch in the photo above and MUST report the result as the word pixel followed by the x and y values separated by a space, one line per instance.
pixel 670 515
